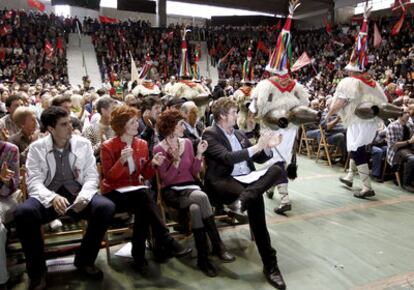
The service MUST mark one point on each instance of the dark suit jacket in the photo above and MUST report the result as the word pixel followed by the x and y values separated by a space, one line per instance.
pixel 219 155
pixel 194 139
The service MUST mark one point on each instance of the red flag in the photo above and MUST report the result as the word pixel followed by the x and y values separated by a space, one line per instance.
pixel 397 27
pixel 36 4
pixel 302 61
pixel 261 46
pixel 377 36
pixel 233 49
pixel 48 49
pixel 105 19
pixel 59 44
pixel 327 25
pixel 279 25
pixel 6 29
pixel 9 14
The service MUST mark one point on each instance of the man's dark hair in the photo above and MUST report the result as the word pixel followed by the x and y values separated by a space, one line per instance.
pixel 101 92
pixel 104 103
pixel 150 102
pixel 59 100
pixel 11 99
pixel 51 115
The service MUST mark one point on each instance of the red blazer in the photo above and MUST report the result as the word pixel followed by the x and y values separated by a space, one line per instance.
pixel 116 175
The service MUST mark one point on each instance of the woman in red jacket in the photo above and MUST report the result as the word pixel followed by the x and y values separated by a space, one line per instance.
pixel 125 166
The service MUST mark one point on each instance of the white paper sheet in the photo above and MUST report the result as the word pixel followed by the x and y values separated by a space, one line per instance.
pixel 130 188
pixel 125 251
pixel 192 186
pixel 252 176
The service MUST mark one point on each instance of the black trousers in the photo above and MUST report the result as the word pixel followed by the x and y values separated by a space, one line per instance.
pixel 30 215
pixel 227 190
pixel 147 214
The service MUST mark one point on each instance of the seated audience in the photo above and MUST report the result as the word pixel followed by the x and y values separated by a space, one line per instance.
pixel 62 180
pixel 101 131
pixel 7 126
pixel 125 166
pixel 178 174
pixel 400 141
pixel 9 182
pixel 378 153
pixel 25 118
pixel 229 155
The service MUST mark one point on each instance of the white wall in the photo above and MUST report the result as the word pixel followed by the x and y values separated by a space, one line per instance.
pixel 110 12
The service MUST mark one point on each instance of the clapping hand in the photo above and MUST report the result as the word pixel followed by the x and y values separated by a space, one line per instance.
pixel 125 154
pixel 158 159
pixel 6 174
pixel 274 141
pixel 201 147
pixel 264 140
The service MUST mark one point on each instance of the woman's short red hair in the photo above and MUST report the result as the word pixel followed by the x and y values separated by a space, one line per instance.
pixel 120 116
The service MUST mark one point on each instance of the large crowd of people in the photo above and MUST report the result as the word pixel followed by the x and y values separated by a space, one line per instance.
pixel 187 131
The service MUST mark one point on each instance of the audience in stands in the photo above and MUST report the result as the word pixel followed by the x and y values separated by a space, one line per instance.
pixel 34 49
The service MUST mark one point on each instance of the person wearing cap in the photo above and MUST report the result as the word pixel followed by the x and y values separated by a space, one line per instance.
pixel 169 85
pixel 186 87
pixel 280 93
pixel 146 87
pixel 356 89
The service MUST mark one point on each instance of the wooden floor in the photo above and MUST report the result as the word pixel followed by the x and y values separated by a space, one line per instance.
pixel 330 240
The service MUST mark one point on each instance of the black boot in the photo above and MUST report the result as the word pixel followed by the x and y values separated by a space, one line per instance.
pixel 219 249
pixel 203 263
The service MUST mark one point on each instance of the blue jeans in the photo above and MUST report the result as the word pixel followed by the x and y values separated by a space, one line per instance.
pixel 377 155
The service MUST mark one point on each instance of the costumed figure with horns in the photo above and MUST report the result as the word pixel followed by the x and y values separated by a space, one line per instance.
pixel 281 104
pixel 146 86
pixel 186 88
pixel 361 103
pixel 246 119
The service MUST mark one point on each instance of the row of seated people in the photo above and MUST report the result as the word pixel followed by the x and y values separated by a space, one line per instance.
pixel 62 180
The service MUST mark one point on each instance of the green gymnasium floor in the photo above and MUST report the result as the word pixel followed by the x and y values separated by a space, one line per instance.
pixel 330 240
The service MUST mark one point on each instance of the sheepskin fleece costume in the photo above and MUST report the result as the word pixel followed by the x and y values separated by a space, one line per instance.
pixel 241 96
pixel 146 90
pixel 357 91
pixel 269 97
pixel 189 90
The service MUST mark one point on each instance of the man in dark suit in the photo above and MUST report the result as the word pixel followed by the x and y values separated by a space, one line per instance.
pixel 229 155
